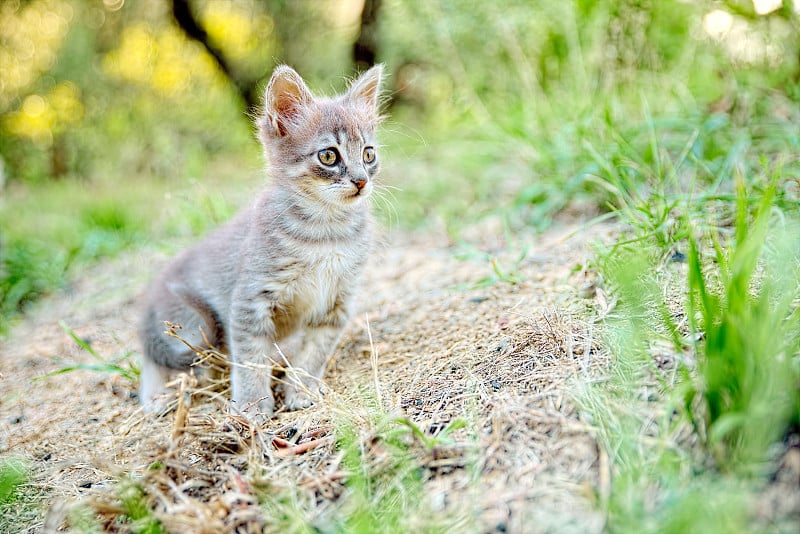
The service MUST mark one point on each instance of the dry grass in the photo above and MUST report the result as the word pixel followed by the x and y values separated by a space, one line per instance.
pixel 455 403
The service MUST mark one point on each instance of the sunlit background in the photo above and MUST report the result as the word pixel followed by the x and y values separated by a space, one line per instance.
pixel 119 126
pixel 82 79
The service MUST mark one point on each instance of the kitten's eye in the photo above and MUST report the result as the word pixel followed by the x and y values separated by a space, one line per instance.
pixel 369 154
pixel 328 156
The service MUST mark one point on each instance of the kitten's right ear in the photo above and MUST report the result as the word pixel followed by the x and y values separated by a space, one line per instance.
pixel 286 95
pixel 367 87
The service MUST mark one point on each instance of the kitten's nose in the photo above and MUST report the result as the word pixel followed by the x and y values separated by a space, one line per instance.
pixel 359 183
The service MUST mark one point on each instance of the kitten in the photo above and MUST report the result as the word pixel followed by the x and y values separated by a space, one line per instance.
pixel 288 264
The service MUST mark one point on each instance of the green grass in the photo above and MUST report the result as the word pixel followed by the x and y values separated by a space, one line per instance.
pixel 123 365
pixel 13 474
pixel 386 475
pixel 20 502
pixel 137 515
pixel 48 230
pixel 387 493
pixel 732 389
pixel 384 458
pixel 750 337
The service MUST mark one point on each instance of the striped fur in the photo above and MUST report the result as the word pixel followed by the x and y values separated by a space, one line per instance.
pixel 287 266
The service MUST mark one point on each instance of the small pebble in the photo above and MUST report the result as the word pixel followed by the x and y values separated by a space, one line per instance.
pixel 678 257
pixel 478 300
pixel 15 419
pixel 496 384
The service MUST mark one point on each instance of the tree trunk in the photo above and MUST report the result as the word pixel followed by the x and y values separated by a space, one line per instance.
pixel 366 46
pixel 182 13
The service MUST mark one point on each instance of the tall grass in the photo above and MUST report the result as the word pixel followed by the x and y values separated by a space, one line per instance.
pixel 711 419
pixel 750 331
pixel 533 101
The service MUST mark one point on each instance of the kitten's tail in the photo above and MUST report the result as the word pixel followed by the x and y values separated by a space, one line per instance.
pixel 215 331
pixel 179 304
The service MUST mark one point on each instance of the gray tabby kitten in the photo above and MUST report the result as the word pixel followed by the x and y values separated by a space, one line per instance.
pixel 288 264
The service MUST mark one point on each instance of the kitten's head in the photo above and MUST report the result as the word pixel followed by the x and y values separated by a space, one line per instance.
pixel 322 149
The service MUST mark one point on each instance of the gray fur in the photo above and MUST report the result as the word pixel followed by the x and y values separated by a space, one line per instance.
pixel 287 265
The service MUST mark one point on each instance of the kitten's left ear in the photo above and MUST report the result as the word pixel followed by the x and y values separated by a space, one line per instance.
pixel 367 87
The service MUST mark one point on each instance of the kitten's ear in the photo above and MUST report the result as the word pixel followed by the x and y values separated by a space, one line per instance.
pixel 367 87
pixel 286 95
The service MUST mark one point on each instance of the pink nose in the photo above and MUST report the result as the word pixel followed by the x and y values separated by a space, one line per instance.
pixel 359 184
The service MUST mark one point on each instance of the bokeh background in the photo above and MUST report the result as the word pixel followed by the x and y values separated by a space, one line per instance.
pixel 127 122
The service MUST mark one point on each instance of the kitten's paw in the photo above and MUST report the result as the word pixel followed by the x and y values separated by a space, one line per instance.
pixel 157 401
pixel 257 412
pixel 158 405
pixel 304 396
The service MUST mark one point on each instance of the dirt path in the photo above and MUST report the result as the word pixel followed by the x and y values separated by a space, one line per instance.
pixel 504 358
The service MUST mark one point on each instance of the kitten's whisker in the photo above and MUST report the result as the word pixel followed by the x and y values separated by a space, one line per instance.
pixel 384 193
pixel 385 201
pixel 387 190
pixel 387 186
pixel 405 130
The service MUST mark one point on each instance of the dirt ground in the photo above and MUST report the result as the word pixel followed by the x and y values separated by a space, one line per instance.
pixel 426 344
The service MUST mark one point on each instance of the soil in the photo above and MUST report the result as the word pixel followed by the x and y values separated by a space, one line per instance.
pixel 434 342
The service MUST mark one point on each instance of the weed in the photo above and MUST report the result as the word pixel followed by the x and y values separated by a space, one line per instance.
pixel 740 326
pixel 107 228
pixel 82 519
pixel 750 335
pixel 13 473
pixel 20 501
pixel 431 442
pixel 385 480
pixel 384 458
pixel 136 510
pixel 501 271
pixel 27 270
pixel 123 364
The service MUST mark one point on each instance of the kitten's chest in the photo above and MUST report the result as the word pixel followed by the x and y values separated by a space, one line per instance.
pixel 313 290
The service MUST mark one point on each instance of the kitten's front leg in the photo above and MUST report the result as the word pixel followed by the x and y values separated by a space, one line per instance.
pixel 251 338
pixel 304 378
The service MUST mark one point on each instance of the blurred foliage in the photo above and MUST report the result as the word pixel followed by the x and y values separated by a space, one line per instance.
pixel 512 96
pixel 19 499
pixel 713 420
pixel 519 105
pixel 89 81
pixel 515 107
